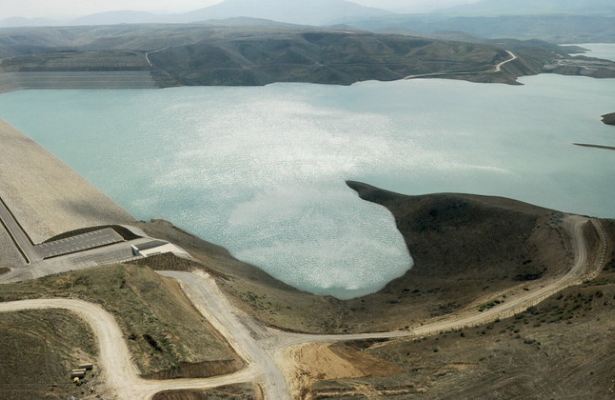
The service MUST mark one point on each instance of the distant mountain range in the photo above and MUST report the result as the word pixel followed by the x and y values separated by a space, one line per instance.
pixel 535 7
pixel 551 28
pixel 559 21
pixel 313 12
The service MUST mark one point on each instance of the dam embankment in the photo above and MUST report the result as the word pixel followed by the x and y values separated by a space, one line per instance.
pixel 45 195
pixel 10 81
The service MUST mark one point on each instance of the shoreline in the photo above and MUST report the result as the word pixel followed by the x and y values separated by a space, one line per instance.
pixel 595 146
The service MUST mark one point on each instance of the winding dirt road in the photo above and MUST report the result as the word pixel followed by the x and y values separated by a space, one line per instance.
pixel 266 350
pixel 496 68
pixel 120 373
pixel 513 57
pixel 236 327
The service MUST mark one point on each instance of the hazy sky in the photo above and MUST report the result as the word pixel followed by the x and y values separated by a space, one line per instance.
pixel 59 8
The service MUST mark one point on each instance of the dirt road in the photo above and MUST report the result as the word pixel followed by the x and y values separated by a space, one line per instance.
pixel 513 57
pixel 496 68
pixel 517 301
pixel 267 350
pixel 261 345
pixel 120 373
pixel 204 293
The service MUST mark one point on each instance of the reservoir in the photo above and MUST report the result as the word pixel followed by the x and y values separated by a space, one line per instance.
pixel 262 171
pixel 599 50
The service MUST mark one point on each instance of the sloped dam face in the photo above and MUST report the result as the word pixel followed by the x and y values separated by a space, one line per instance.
pixel 262 170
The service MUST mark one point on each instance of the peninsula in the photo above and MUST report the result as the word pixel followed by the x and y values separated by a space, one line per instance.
pixel 609 119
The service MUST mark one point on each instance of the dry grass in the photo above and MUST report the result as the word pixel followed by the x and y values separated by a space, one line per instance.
pixel 38 350
pixel 167 336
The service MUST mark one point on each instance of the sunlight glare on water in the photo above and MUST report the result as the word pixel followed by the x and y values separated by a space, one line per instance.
pixel 261 171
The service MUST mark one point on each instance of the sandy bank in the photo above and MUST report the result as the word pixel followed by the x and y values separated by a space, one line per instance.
pixel 46 196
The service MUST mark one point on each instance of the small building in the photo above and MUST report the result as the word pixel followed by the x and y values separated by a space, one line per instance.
pixel 156 247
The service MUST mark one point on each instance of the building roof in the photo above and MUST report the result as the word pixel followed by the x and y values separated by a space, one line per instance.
pixel 150 245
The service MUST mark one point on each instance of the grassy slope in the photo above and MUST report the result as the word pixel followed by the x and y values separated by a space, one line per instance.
pixel 319 57
pixel 250 54
pixel 38 350
pixel 465 247
pixel 562 348
pixel 166 335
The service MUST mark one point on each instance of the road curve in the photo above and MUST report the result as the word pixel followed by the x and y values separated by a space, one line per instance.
pixel 265 349
pixel 263 346
pixel 119 372
pixel 496 68
pixel 581 270
pixel 516 303
pixel 207 297
pixel 513 57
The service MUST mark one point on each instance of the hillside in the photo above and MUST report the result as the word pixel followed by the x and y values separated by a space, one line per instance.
pixel 167 337
pixel 52 343
pixel 566 342
pixel 319 57
pixel 252 52
pixel 465 248
pixel 242 52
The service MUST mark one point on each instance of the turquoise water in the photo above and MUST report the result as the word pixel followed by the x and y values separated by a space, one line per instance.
pixel 605 51
pixel 262 170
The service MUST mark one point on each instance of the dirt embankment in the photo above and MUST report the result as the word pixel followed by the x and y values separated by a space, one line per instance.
pixel 318 361
pixel 234 392
pixel 46 196
pixel 465 247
